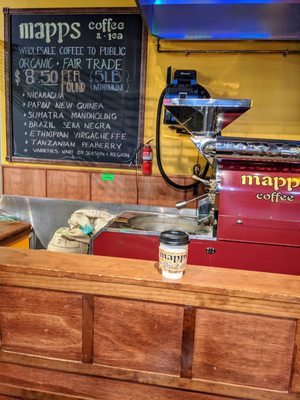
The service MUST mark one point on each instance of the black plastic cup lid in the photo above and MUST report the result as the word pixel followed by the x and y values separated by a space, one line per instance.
pixel 174 238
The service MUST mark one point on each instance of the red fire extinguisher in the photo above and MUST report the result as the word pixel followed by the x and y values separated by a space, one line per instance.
pixel 147 159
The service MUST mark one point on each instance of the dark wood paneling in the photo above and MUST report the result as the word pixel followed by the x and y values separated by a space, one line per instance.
pixel 41 322
pixel 122 189
pixel 84 185
pixel 138 335
pixel 87 328
pixel 30 394
pixel 24 182
pixel 7 397
pixel 91 387
pixel 154 191
pixel 244 349
pixel 187 346
pixel 68 185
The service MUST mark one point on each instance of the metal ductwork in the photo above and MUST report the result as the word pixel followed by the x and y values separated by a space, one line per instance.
pixel 222 19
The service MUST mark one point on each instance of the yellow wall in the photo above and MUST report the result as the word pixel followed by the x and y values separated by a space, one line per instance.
pixel 272 81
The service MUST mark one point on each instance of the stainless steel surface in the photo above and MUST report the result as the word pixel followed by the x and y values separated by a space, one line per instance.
pixel 164 222
pixel 47 215
pixel 242 148
pixel 267 149
pixel 206 146
pixel 182 204
pixel 138 222
pixel 221 20
pixel 206 117
pixel 205 182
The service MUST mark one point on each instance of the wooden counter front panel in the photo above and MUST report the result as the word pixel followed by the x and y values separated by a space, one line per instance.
pixel 67 335
pixel 90 387
pixel 244 349
pixel 138 335
pixel 41 322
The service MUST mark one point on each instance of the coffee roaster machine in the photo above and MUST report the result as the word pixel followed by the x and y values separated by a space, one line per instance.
pixel 249 214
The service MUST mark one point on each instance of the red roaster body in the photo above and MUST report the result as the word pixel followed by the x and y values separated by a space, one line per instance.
pixel 258 223
pixel 260 203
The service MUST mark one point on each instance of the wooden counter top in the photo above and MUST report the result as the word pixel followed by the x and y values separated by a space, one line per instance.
pixel 12 230
pixel 222 281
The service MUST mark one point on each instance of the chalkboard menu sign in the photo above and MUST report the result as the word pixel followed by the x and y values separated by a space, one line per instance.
pixel 76 85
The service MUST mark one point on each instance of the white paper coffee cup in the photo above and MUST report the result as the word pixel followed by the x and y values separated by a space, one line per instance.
pixel 173 252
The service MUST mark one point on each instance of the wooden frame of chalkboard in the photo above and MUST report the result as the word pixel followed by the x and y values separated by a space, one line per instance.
pixel 75 86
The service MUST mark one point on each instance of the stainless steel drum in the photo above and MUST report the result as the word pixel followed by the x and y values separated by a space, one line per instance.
pixel 163 222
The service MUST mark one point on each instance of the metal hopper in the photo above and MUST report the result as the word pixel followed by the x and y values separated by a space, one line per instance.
pixel 206 117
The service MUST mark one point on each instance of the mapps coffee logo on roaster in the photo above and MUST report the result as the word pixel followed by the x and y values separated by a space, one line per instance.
pixel 277 183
